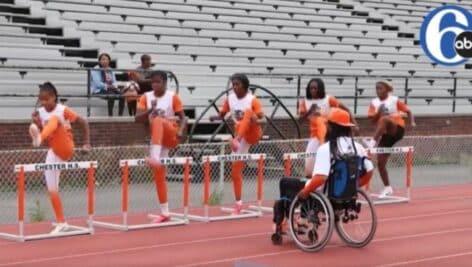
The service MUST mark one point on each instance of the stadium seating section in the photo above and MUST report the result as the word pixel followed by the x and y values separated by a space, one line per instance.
pixel 204 41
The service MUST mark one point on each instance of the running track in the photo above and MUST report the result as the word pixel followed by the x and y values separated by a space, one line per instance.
pixel 435 229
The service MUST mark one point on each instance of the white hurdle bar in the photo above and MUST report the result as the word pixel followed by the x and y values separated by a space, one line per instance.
pixel 124 225
pixel 21 169
pixel 245 213
pixel 408 175
pixel 288 157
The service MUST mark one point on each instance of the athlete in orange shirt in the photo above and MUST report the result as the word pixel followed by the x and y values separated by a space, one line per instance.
pixel 385 111
pixel 315 108
pixel 51 124
pixel 160 107
pixel 247 114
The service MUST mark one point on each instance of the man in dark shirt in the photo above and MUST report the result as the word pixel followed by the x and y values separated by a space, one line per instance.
pixel 145 71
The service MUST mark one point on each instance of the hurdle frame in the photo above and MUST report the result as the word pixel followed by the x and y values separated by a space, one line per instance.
pixel 175 220
pixel 409 150
pixel 287 158
pixel 245 213
pixel 73 230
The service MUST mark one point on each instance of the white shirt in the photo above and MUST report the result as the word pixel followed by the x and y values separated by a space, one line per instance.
pixel 389 104
pixel 58 111
pixel 323 104
pixel 164 105
pixel 238 106
pixel 323 156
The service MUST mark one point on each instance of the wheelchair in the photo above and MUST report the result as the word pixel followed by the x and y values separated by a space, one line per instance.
pixel 311 221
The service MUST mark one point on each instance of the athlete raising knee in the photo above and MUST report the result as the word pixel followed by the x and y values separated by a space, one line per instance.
pixel 160 107
pixel 247 114
pixel 51 125
pixel 315 108
pixel 385 111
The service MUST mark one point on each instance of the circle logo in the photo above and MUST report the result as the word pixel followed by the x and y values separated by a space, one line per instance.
pixel 446 35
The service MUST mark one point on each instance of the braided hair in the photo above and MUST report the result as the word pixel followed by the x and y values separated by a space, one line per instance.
pixel 334 132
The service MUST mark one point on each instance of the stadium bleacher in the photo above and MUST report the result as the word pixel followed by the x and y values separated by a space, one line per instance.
pixel 205 41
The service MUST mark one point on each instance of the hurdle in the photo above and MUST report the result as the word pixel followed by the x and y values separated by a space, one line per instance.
pixel 21 169
pixel 287 157
pixel 409 150
pixel 124 225
pixel 245 213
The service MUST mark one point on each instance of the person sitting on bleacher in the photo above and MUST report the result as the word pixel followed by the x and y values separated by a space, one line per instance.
pixel 103 82
pixel 131 92
pixel 145 70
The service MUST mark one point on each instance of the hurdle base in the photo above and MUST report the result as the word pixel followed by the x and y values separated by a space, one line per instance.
pixel 73 231
pixel 262 209
pixel 126 227
pixel 388 200
pixel 245 214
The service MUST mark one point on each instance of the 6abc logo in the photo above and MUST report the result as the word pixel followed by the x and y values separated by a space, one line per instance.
pixel 446 35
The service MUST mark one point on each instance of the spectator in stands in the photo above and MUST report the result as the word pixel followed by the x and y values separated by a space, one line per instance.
pixel 103 82
pixel 247 114
pixel 160 108
pixel 145 71
pixel 131 90
pixel 385 111
pixel 315 108
pixel 51 125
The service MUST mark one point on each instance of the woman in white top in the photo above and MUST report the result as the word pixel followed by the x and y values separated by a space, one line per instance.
pixel 340 141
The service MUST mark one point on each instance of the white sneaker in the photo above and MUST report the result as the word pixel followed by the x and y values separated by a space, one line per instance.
pixel 60 227
pixel 35 135
pixel 387 191
pixel 238 207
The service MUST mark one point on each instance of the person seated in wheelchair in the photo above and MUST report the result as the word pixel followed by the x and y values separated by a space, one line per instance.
pixel 341 161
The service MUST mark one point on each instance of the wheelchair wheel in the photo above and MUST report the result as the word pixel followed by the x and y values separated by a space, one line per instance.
pixel 356 221
pixel 311 222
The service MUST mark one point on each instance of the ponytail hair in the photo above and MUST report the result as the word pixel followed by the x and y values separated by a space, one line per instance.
pixel 50 88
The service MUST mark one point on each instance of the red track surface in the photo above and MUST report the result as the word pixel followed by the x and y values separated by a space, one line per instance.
pixel 435 229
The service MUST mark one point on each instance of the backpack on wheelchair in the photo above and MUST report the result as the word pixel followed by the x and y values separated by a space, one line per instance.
pixel 341 205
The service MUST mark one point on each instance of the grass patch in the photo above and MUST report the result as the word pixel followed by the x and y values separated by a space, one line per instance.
pixel 37 213
pixel 216 198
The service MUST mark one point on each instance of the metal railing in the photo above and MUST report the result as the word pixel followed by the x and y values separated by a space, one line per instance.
pixel 87 94
pixel 403 91
pixel 403 86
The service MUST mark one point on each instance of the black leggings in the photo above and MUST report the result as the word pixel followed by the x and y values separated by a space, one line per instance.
pixel 289 188
pixel 111 105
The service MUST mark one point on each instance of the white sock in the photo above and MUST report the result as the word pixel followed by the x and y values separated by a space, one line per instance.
pixel 155 151
pixel 239 202
pixel 165 209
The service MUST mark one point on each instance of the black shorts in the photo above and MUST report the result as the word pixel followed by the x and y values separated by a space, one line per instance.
pixel 390 140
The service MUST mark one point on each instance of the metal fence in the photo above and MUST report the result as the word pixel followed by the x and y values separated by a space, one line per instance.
pixel 437 161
